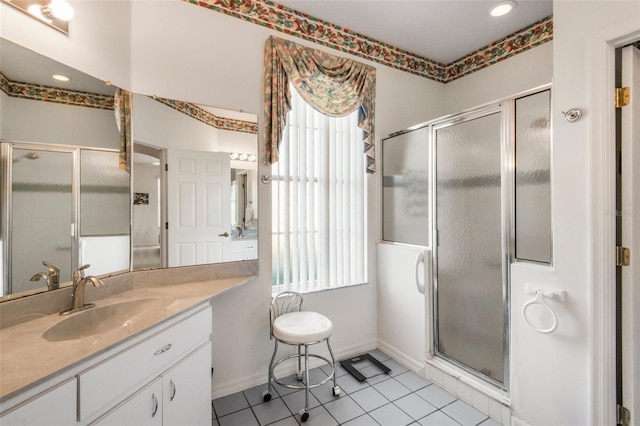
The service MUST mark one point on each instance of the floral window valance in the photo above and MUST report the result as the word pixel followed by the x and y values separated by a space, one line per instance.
pixel 333 85
pixel 122 108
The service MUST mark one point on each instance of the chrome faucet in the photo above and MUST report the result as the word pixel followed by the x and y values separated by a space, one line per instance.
pixel 52 278
pixel 79 284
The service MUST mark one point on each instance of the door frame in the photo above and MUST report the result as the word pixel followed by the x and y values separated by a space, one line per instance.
pixel 602 233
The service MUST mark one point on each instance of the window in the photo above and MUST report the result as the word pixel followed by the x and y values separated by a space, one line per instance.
pixel 318 202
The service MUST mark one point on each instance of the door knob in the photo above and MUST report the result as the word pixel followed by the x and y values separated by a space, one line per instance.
pixel 226 234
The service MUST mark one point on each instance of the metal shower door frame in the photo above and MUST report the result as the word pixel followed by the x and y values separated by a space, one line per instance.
pixel 507 227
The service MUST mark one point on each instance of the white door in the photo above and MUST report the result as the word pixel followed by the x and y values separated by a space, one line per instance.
pixel 198 207
pixel 630 134
pixel 144 408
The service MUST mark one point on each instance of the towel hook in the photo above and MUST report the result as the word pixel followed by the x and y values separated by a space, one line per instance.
pixel 574 114
pixel 539 300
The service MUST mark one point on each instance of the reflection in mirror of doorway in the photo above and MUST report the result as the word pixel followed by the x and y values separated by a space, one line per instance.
pixel 148 216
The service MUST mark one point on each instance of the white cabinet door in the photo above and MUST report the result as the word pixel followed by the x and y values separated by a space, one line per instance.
pixel 199 206
pixel 187 390
pixel 54 407
pixel 144 408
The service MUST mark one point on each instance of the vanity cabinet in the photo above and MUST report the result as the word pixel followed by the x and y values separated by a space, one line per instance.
pixel 243 250
pixel 181 396
pixel 162 376
pixel 177 355
pixel 55 406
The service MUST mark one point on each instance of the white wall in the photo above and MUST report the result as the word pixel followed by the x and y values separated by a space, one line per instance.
pixel 26 120
pixel 146 231
pixel 226 71
pixel 522 72
pixel 97 44
pixel 555 371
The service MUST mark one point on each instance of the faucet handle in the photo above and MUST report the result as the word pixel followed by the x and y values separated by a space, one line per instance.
pixel 80 271
pixel 52 269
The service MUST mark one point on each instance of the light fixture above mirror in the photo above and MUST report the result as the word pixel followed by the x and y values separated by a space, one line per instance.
pixel 55 13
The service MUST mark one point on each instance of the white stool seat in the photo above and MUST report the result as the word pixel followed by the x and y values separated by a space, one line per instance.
pixel 302 327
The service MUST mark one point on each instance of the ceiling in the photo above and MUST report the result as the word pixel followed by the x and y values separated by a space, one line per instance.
pixel 440 30
pixel 23 65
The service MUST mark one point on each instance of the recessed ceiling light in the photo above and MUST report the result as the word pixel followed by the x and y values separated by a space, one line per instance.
pixel 502 8
pixel 60 77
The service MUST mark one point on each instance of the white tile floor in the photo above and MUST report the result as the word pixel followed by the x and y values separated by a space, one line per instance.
pixel 399 398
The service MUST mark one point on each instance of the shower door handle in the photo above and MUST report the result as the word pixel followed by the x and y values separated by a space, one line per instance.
pixel 420 259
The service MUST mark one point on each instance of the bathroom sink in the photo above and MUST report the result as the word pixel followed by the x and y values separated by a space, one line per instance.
pixel 129 316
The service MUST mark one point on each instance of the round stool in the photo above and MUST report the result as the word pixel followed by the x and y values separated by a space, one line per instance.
pixel 301 329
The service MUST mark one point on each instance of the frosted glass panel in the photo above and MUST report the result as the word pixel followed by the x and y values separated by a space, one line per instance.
pixel 104 194
pixel 470 308
pixel 533 187
pixel 41 224
pixel 405 188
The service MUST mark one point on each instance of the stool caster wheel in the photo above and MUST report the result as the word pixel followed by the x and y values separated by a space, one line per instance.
pixel 266 396
pixel 299 376
pixel 336 391
pixel 304 417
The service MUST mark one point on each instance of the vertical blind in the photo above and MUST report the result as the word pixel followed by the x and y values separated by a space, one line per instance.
pixel 318 201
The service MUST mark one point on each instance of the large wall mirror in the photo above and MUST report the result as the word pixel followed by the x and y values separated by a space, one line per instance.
pixel 65 201
pixel 194 184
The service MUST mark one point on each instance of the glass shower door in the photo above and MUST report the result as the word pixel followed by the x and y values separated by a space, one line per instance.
pixel 471 279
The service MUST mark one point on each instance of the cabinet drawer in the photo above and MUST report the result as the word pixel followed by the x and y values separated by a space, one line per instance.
pixel 109 382
pixel 56 406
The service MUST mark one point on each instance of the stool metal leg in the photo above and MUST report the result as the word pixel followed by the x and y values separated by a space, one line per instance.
pixel 336 388
pixel 299 373
pixel 305 412
pixel 266 395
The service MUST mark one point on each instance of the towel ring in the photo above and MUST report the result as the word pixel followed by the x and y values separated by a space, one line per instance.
pixel 539 300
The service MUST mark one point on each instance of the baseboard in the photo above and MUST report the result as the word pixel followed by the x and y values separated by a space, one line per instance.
pixel 517 422
pixel 412 364
pixel 219 389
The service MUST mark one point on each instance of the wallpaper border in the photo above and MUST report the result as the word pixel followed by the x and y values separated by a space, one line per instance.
pixel 37 92
pixel 283 19
pixel 204 116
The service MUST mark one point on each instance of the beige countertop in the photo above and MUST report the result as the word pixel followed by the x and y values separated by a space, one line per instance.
pixel 26 358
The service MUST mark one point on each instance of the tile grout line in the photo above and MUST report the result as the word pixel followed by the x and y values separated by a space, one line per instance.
pixel 365 412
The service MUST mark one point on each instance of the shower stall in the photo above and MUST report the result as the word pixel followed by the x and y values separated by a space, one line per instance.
pixel 492 207
pixel 489 198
